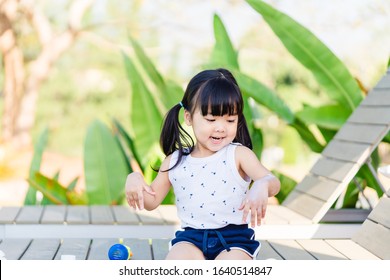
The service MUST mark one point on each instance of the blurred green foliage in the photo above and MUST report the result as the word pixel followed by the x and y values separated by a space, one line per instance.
pixel 111 151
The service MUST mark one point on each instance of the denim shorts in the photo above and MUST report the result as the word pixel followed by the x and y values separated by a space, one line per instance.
pixel 214 241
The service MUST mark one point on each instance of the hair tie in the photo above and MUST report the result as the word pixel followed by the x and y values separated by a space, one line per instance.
pixel 181 105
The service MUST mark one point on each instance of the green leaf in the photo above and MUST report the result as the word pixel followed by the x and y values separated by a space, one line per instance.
pixel 351 196
pixel 148 65
pixel 127 145
pixel 370 180
pixel 104 166
pixel 307 136
pixel 75 198
pixel 35 165
pixel 328 70
pixel 73 184
pixel 264 96
pixel 51 189
pixel 223 54
pixel 287 184
pixel 145 117
pixel 167 92
pixel 328 116
pixel 172 94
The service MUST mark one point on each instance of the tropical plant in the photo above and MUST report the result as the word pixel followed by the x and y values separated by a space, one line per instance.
pixel 332 75
pixel 107 162
pixel 105 170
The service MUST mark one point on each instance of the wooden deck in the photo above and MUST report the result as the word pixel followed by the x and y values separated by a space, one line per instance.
pixel 87 232
pixel 156 249
pixel 123 222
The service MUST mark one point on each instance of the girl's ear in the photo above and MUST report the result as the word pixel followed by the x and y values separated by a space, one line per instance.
pixel 187 117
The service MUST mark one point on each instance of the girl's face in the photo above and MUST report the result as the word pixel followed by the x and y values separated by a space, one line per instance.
pixel 211 132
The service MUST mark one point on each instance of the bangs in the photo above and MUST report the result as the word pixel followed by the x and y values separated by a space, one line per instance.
pixel 220 97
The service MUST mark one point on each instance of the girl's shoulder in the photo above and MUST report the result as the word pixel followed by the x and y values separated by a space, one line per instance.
pixel 243 153
pixel 240 148
pixel 166 162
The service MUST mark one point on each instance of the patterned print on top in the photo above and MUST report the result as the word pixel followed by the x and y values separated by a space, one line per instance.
pixel 208 190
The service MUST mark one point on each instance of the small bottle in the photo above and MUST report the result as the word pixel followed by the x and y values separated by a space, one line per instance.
pixel 119 252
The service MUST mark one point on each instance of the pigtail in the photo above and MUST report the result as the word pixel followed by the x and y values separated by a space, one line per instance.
pixel 243 136
pixel 173 136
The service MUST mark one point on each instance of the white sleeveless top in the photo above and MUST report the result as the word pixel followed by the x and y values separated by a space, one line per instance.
pixel 208 190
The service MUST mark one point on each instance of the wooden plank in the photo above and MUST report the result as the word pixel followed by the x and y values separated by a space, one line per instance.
pixel 290 250
pixel 101 215
pixel 371 115
pixel 351 250
pixel 100 247
pixel 160 248
pixel 317 187
pixel 362 133
pixel 77 247
pixel 29 215
pixel 334 169
pixel 384 82
pixel 353 215
pixel 8 214
pixel 54 214
pixel 14 248
pixel 347 151
pixel 42 249
pixel 375 238
pixel 140 247
pixel 308 206
pixel 381 212
pixel 267 252
pixel 125 215
pixel 377 97
pixel 284 212
pixel 272 218
pixel 321 250
pixel 78 214
pixel 150 217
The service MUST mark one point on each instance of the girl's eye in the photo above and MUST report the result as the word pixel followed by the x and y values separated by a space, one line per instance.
pixel 232 121
pixel 210 120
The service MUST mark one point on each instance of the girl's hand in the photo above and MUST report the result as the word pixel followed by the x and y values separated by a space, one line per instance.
pixel 135 186
pixel 255 202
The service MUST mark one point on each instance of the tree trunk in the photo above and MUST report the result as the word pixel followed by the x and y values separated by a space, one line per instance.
pixel 14 73
pixel 22 82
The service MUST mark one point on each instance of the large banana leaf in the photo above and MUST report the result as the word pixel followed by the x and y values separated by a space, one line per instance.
pixel 51 189
pixel 167 92
pixel 148 65
pixel 264 96
pixel 328 116
pixel 223 53
pixel 127 146
pixel 307 135
pixel 104 166
pixel 145 117
pixel 328 70
pixel 39 147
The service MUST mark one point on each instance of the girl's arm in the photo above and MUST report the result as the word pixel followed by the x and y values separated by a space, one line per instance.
pixel 140 194
pixel 264 185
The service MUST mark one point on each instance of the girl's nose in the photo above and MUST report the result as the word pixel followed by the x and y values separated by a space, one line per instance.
pixel 220 128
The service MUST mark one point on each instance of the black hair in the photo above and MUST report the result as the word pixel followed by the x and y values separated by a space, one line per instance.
pixel 210 89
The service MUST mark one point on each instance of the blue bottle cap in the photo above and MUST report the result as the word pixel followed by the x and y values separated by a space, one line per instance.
pixel 118 252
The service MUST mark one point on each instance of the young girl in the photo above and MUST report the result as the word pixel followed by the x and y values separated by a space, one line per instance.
pixel 210 177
